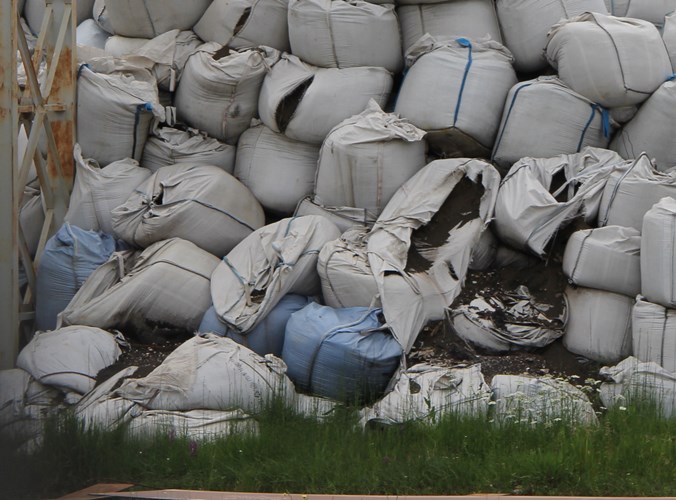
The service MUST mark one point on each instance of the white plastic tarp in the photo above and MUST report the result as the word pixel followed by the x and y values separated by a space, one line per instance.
pixel 658 253
pixel 654 334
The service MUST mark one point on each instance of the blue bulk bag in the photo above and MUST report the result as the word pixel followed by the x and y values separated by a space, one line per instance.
pixel 268 336
pixel 343 354
pixel 70 256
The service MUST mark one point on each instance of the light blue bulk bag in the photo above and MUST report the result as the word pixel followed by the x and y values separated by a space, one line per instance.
pixel 268 336
pixel 70 256
pixel 343 354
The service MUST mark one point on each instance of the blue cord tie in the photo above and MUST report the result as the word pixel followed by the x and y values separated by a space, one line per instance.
pixel 672 77
pixel 82 67
pixel 605 123
pixel 463 42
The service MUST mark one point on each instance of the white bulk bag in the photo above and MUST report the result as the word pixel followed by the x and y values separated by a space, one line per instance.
pixel 653 10
pixel 305 102
pixel 34 11
pixel 426 393
pixel 525 25
pixel 69 358
pixel 90 34
pixel 200 425
pixel 338 34
pixel 669 37
pixel 149 18
pixel 100 410
pixel 169 146
pixel 650 131
pixel 169 51
pixel 632 380
pixel 528 213
pixel 606 258
pixel 198 203
pixel 164 290
pixel 279 171
pixel 246 23
pixel 366 158
pixel 32 218
pixel 658 253
pixel 612 61
pixel 115 108
pixel 529 400
pixel 544 118
pixel 212 373
pixel 473 19
pixel 455 91
pixel 631 192
pixel 343 217
pixel 653 330
pixel 277 259
pixel 599 324
pixel 219 89
pixel 97 191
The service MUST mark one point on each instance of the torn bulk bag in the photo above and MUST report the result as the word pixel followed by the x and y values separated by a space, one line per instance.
pixel 218 92
pixel 193 425
pixel 34 12
pixel 612 61
pixel 162 292
pixel 525 25
pixel 658 253
pixel 97 191
pixel 169 146
pixel 69 257
pixel 544 118
pixel 633 381
pixel 305 102
pixel 426 393
pixel 338 34
pixel 366 158
pixel 198 203
pixel 342 354
pixel 343 217
pixel 275 260
pixel 669 37
pixel 531 207
pixel 606 258
pixel 211 373
pixel 529 400
pixel 148 18
pixel 169 52
pixel 279 171
pixel 653 330
pixel 70 358
pixel 90 34
pixel 650 131
pixel 599 324
pixel 473 19
pixel 265 338
pixel 116 106
pixel 629 193
pixel 455 91
pixel 246 23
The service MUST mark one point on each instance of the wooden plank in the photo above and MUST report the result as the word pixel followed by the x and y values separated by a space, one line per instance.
pixel 98 490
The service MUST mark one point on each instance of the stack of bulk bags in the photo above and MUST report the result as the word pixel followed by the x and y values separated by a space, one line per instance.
pixel 455 91
pixel 34 11
pixel 614 62
pixel 169 52
pixel 169 146
pixel 342 354
pixel 630 192
pixel 650 130
pixel 472 19
pixel 219 89
pixel 148 18
pixel 654 334
pixel 275 260
pixel 202 204
pixel 606 258
pixel 279 171
pixel 366 158
pixel 97 191
pixel 525 25
pixel 653 11
pixel 163 291
pixel 70 256
pixel 90 34
pixel 338 34
pixel 116 107
pixel 305 102
pixel 544 118
pixel 669 37
pixel 246 23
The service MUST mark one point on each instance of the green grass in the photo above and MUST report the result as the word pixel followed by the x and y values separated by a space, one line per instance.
pixel 631 453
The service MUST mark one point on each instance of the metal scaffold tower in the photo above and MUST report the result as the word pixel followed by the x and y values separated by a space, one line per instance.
pixel 44 106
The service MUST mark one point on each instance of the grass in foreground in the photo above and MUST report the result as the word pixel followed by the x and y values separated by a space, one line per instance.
pixel 631 453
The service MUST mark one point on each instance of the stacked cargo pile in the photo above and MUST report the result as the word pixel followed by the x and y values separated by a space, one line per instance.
pixel 313 180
